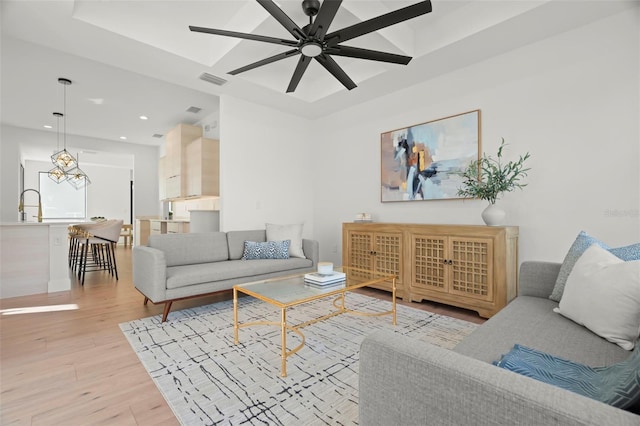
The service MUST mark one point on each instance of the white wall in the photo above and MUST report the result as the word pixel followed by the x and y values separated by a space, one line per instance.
pixel 109 192
pixel 15 139
pixel 572 101
pixel 265 168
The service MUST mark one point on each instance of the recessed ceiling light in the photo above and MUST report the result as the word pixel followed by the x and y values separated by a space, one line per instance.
pixel 46 126
pixel 144 117
pixel 124 138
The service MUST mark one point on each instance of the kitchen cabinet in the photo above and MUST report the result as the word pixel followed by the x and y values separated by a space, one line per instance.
pixel 177 227
pixel 202 168
pixel 141 232
pixel 146 227
pixel 158 227
pixel 175 162
pixel 162 178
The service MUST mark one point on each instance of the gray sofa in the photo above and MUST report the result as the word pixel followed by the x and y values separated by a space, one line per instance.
pixel 180 266
pixel 407 382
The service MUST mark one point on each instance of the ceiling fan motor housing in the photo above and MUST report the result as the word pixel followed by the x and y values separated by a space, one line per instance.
pixel 311 7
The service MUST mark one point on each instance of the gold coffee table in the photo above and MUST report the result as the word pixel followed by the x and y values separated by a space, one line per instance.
pixel 286 292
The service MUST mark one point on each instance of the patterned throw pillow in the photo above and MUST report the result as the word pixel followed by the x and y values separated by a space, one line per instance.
pixel 582 242
pixel 266 250
pixel 617 385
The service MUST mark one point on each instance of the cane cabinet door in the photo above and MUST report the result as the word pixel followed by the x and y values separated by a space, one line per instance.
pixel 470 264
pixel 429 262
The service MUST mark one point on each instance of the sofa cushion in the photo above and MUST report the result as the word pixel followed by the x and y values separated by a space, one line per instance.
pixel 617 384
pixel 185 275
pixel 530 321
pixel 266 250
pixel 603 294
pixel 287 232
pixel 582 242
pixel 187 249
pixel 236 241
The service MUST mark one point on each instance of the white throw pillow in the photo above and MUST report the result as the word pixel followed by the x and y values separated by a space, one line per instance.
pixel 603 294
pixel 287 232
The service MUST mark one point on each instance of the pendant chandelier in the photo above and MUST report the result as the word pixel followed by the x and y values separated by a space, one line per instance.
pixel 76 177
pixel 63 159
pixel 57 174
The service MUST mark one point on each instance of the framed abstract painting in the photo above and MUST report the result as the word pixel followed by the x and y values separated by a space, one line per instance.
pixel 422 162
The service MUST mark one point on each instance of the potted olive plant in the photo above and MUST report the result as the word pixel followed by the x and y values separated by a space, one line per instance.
pixel 487 178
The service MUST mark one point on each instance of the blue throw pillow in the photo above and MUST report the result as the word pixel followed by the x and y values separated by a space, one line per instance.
pixel 266 250
pixel 617 385
pixel 582 242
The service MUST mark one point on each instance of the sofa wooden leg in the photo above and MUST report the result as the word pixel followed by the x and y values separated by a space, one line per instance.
pixel 146 300
pixel 167 308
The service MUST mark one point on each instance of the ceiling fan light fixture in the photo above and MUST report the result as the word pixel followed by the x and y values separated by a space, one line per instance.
pixel 311 49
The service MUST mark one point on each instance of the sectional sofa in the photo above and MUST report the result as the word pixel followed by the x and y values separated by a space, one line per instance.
pixel 407 382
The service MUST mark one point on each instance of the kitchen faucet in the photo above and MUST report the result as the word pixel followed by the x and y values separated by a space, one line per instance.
pixel 21 206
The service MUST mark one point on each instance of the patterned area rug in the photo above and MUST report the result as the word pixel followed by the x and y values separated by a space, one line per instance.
pixel 207 380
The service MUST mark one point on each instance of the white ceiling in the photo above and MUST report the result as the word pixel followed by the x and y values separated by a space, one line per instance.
pixel 132 58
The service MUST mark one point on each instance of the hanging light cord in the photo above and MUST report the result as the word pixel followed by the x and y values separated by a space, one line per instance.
pixel 58 132
pixel 64 109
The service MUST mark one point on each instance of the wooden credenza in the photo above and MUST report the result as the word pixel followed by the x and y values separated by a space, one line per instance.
pixel 469 266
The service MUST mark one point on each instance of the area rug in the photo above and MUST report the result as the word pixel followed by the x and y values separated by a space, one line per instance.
pixel 208 380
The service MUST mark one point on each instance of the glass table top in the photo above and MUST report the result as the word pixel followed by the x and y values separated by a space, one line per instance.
pixel 294 289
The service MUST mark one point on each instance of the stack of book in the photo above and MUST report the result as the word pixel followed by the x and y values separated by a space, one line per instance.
pixel 330 280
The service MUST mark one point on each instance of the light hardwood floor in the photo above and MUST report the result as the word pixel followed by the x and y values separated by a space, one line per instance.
pixel 75 367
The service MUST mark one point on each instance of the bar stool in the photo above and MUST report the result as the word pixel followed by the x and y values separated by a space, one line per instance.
pixel 95 249
pixel 78 232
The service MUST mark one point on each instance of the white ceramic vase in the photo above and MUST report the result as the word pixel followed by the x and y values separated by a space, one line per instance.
pixel 493 215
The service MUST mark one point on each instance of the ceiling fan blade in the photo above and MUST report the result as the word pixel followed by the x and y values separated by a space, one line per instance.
pixel 374 55
pixel 331 66
pixel 303 63
pixel 247 36
pixel 377 23
pixel 266 61
pixel 324 18
pixel 283 18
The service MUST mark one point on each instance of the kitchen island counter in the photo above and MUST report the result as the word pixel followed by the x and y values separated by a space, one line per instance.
pixel 34 258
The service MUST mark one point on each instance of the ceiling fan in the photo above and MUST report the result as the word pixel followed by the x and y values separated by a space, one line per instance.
pixel 313 41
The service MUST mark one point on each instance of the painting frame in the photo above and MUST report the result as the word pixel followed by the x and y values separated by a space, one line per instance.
pixel 423 162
